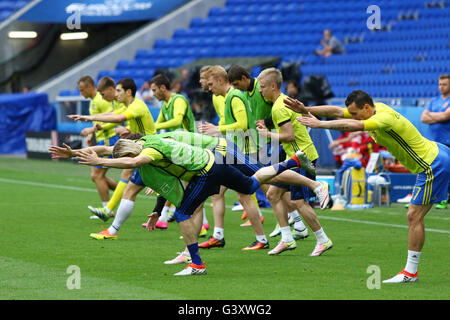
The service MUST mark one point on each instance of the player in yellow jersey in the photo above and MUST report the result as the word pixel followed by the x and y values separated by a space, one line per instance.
pixel 139 119
pixel 86 85
pixel 428 159
pixel 294 137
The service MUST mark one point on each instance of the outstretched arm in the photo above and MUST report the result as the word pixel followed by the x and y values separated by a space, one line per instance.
pixel 89 157
pixel 67 152
pixel 341 125
pixel 318 111
pixel 103 117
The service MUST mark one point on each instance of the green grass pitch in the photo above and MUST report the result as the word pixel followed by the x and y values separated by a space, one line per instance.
pixel 45 229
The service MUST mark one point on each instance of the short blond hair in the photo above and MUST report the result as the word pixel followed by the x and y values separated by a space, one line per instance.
pixel 217 72
pixel 204 69
pixel 270 76
pixel 124 147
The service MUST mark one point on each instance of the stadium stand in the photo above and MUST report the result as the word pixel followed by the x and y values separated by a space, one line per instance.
pixel 413 40
pixel 7 8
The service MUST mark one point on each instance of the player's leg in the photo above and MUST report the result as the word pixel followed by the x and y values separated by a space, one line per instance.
pixel 107 211
pixel 98 176
pixel 254 217
pixel 308 214
pixel 218 238
pixel 125 208
pixel 289 177
pixel 430 188
pixel 198 190
pixel 274 195
pixel 416 240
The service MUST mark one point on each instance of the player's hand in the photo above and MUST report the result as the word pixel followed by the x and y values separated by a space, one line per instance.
pixel 61 153
pixel 79 117
pixel 209 129
pixel 87 131
pixel 295 105
pixel 309 120
pixel 149 191
pixel 262 130
pixel 152 219
pixel 124 133
pixel 88 157
pixel 90 139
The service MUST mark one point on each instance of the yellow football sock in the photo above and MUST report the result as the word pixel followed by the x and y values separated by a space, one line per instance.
pixel 117 195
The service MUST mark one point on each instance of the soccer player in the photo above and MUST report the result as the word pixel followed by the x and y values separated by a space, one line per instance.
pixel 428 159
pixel 236 127
pixel 437 115
pixel 139 120
pixel 176 111
pixel 217 100
pixel 294 136
pixel 181 161
pixel 108 137
pixel 175 114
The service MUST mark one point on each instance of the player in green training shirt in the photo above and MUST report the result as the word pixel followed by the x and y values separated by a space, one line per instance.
pixel 183 162
pixel 294 136
pixel 428 159
pixel 238 126
pixel 176 111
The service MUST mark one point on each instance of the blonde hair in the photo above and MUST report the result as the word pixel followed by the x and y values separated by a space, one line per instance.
pixel 124 147
pixel 217 72
pixel 204 69
pixel 270 76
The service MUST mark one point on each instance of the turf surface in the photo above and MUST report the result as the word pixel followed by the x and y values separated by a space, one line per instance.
pixel 45 229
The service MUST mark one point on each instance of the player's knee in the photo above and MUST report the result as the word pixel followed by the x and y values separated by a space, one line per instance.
pixel 97 175
pixel 273 195
pixel 414 215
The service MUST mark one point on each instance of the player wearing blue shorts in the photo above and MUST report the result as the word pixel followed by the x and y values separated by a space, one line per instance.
pixel 428 159
pixel 293 136
pixel 106 137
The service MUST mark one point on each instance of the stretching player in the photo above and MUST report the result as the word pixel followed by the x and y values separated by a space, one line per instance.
pixel 428 159
pixel 199 167
pixel 237 126
pixel 294 137
pixel 175 114
pixel 139 120
pixel 107 137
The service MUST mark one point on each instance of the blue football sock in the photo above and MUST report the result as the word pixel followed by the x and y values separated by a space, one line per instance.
pixel 195 254
pixel 255 185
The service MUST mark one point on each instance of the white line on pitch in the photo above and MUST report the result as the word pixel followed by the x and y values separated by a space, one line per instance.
pixel 48 185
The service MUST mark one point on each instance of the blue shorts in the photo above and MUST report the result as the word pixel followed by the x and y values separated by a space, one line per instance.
pixel 433 185
pixel 202 187
pixel 136 178
pixel 299 192
pixel 109 142
pixel 245 163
